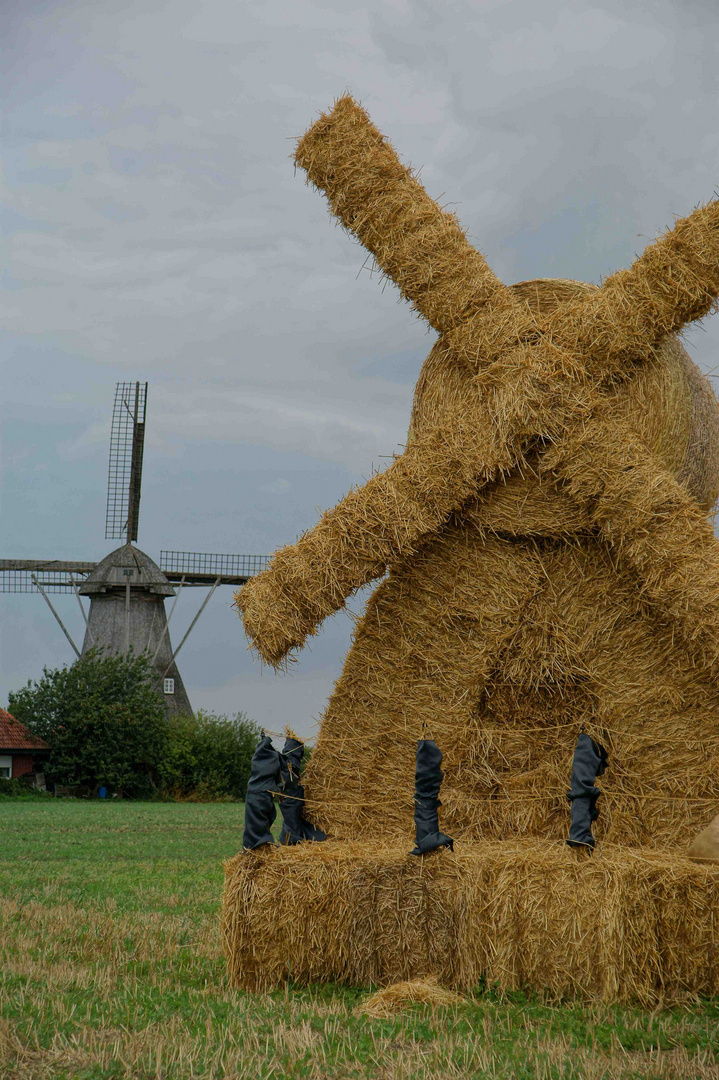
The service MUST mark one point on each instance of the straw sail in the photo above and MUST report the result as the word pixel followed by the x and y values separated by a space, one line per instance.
pixel 535 377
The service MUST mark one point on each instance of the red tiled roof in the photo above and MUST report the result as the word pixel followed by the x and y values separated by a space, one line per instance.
pixel 15 736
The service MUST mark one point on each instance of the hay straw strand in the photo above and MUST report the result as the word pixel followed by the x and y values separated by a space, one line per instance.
pixel 399 995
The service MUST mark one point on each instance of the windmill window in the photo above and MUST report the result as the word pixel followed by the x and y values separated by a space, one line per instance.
pixel 169 686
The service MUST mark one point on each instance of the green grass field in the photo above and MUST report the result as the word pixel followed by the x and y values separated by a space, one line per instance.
pixel 112 967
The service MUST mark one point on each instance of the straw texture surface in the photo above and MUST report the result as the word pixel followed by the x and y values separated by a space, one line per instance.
pixel 623 925
pixel 499 650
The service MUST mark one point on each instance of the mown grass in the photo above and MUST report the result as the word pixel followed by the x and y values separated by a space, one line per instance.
pixel 112 967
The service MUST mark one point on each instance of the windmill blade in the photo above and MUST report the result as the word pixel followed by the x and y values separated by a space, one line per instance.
pixel 138 446
pixel 654 526
pixel 203 568
pixel 24 575
pixel 674 282
pixel 416 243
pixel 127 440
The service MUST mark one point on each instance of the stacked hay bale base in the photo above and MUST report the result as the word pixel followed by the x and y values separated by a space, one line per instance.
pixel 625 925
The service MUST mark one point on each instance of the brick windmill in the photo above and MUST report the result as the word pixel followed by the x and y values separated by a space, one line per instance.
pixel 127 589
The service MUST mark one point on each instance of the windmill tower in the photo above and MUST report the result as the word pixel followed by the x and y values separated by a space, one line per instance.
pixel 127 590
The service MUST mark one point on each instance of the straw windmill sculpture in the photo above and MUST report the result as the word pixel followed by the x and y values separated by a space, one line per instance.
pixel 544 541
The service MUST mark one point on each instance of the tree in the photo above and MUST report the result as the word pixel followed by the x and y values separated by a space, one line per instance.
pixel 208 755
pixel 104 720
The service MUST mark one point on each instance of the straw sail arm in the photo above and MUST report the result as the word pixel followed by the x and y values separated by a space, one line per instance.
pixel 674 282
pixel 415 243
pixel 655 527
pixel 473 442
pixel 373 526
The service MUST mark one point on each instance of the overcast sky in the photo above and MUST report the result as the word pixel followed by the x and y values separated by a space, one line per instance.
pixel 155 229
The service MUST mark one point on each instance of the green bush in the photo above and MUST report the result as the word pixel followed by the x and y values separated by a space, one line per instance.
pixel 104 719
pixel 15 789
pixel 106 723
pixel 208 756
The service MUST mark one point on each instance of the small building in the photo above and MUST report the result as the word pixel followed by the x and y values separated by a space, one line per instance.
pixel 20 752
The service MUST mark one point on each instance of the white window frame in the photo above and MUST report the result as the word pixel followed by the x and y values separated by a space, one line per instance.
pixel 169 686
pixel 6 763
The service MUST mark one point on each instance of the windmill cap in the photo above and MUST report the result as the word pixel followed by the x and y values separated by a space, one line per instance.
pixel 127 565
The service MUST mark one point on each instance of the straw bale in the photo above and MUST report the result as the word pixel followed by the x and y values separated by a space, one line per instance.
pixel 705 846
pixel 625 925
pixel 399 995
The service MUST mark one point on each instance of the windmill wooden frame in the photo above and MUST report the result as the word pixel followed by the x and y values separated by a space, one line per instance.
pixel 127 589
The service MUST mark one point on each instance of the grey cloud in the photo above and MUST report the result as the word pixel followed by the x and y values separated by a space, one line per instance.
pixel 156 229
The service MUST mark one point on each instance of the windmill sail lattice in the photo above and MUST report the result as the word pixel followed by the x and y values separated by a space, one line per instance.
pixel 127 440
pixel 199 566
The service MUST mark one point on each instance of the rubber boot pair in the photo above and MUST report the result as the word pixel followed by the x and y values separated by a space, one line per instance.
pixel 274 773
